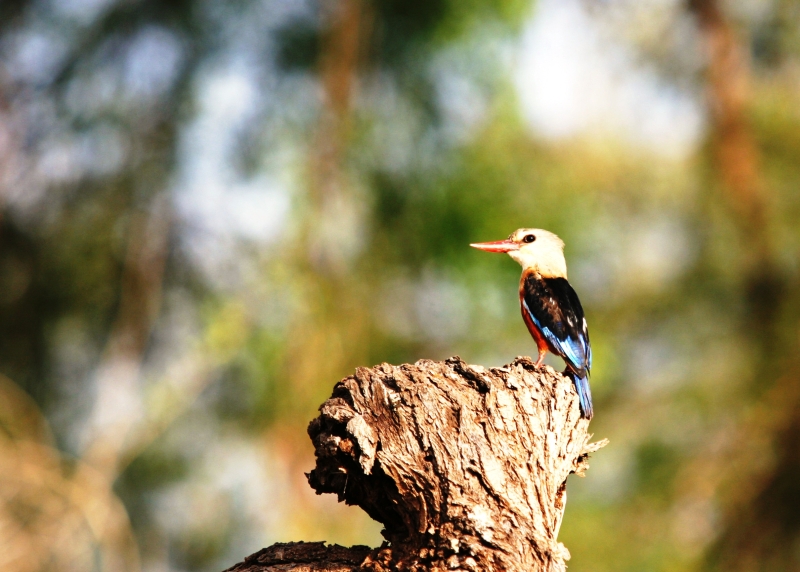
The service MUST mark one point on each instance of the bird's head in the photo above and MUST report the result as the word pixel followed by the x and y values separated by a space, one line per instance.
pixel 534 249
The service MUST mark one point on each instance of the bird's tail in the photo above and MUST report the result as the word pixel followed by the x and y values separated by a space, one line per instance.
pixel 584 393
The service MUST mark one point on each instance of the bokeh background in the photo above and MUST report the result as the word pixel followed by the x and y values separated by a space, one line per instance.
pixel 211 211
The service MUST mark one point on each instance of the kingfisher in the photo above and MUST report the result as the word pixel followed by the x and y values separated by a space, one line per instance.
pixel 550 307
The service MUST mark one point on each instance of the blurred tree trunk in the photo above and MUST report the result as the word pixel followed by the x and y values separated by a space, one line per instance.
pixel 115 417
pixel 737 162
pixel 465 467
pixel 760 524
pixel 343 48
pixel 733 144
pixel 333 317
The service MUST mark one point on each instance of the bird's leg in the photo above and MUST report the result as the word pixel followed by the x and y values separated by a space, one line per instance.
pixel 540 361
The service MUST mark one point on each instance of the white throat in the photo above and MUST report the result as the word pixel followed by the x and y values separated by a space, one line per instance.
pixel 544 259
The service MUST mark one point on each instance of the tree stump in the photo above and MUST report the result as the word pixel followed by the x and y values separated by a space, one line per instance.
pixel 465 467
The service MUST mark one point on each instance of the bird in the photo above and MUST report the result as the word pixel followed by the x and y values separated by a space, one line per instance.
pixel 549 305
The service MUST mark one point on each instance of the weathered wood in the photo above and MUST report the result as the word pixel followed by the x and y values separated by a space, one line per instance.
pixel 304 557
pixel 465 467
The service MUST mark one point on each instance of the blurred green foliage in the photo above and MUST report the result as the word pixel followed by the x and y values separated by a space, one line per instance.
pixel 118 116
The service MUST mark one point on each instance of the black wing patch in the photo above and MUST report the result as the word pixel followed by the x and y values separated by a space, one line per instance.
pixel 556 310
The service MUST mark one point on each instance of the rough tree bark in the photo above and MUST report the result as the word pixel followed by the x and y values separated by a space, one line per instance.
pixel 465 467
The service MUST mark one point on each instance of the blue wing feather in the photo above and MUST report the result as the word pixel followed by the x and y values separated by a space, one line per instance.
pixel 555 311
pixel 589 361
pixel 576 351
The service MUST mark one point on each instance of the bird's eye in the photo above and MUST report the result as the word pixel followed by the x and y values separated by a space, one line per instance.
pixel 528 238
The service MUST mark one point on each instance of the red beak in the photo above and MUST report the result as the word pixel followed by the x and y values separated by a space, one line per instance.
pixel 497 246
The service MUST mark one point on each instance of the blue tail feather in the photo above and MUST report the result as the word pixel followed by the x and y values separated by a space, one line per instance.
pixel 584 394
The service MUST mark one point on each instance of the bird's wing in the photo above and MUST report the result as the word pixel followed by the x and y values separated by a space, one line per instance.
pixel 555 309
